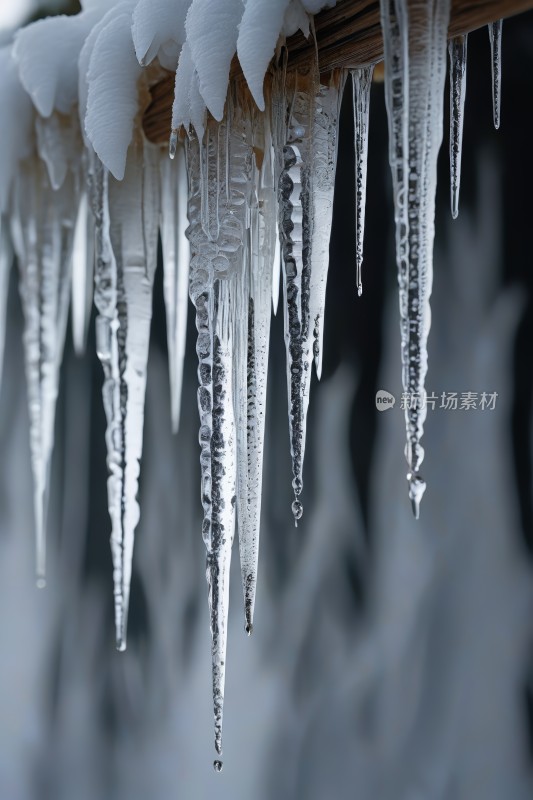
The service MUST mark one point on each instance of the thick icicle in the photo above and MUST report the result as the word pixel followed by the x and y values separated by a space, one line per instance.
pixel 126 224
pixel 326 110
pixel 361 83
pixel 495 35
pixel 173 225
pixel 261 201
pixel 293 117
pixel 216 232
pixel 43 228
pixel 457 52
pixel 82 274
pixel 414 34
pixel 6 257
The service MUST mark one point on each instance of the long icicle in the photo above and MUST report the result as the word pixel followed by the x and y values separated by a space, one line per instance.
pixel 361 84
pixel 82 274
pixel 259 260
pixel 218 170
pixel 495 36
pixel 175 247
pixel 126 222
pixel 6 258
pixel 43 227
pixel 293 104
pixel 415 35
pixel 326 111
pixel 457 49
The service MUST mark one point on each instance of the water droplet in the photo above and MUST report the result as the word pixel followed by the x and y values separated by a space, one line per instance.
pixel 217 765
pixel 41 583
pixel 297 510
pixel 359 290
pixel 417 487
pixel 249 628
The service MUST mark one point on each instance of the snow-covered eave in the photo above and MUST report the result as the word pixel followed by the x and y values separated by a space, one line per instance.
pixel 345 37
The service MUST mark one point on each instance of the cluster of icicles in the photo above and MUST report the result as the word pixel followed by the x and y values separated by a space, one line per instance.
pixel 240 200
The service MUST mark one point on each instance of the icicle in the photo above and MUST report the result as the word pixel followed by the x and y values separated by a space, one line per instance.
pixel 361 83
pixel 414 35
pixel 293 107
pixel 43 233
pixel 126 223
pixel 215 264
pixel 262 236
pixel 495 35
pixel 82 274
pixel 327 104
pixel 175 247
pixel 457 52
pixel 6 257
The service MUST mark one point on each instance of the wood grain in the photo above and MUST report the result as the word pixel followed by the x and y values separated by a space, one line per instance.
pixel 348 35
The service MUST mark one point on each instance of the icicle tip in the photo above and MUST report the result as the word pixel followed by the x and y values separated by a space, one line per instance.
pixel 218 765
pixel 297 511
pixel 40 582
pixel 417 487
pixel 173 143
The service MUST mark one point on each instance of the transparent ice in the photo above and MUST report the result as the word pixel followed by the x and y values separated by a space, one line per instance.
pixel 457 49
pixel 361 84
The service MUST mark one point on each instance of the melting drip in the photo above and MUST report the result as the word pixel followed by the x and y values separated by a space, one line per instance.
pixel 457 49
pixel 42 232
pixel 126 222
pixel 415 37
pixel 361 83
pixel 173 225
pixel 495 36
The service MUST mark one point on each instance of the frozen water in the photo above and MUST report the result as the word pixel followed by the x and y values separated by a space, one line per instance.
pixel 457 49
pixel 361 84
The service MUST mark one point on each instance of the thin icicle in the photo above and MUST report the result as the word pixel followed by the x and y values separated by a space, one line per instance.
pixel 173 225
pixel 43 233
pixel 261 201
pixel 326 110
pixel 361 83
pixel 457 49
pixel 495 35
pixel 414 35
pixel 82 274
pixel 126 222
pixel 6 257
pixel 293 111
pixel 216 233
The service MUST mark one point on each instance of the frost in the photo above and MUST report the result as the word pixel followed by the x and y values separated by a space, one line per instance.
pixel 112 105
pixel 361 84
pixel 457 49
pixel 415 37
pixel 158 24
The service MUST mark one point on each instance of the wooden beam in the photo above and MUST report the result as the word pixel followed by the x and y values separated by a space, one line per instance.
pixel 348 35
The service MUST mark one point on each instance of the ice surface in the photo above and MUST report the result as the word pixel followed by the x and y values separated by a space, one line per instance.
pixel 126 221
pixel 6 258
pixel 361 84
pixel 82 274
pixel 43 221
pixel 495 35
pixel 323 165
pixel 213 279
pixel 457 49
pixel 173 225
pixel 17 139
pixel 415 36
pixel 293 115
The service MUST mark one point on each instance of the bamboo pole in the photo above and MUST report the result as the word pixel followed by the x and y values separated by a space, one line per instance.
pixel 348 35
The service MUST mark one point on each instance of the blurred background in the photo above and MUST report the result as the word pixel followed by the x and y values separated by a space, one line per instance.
pixel 391 659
